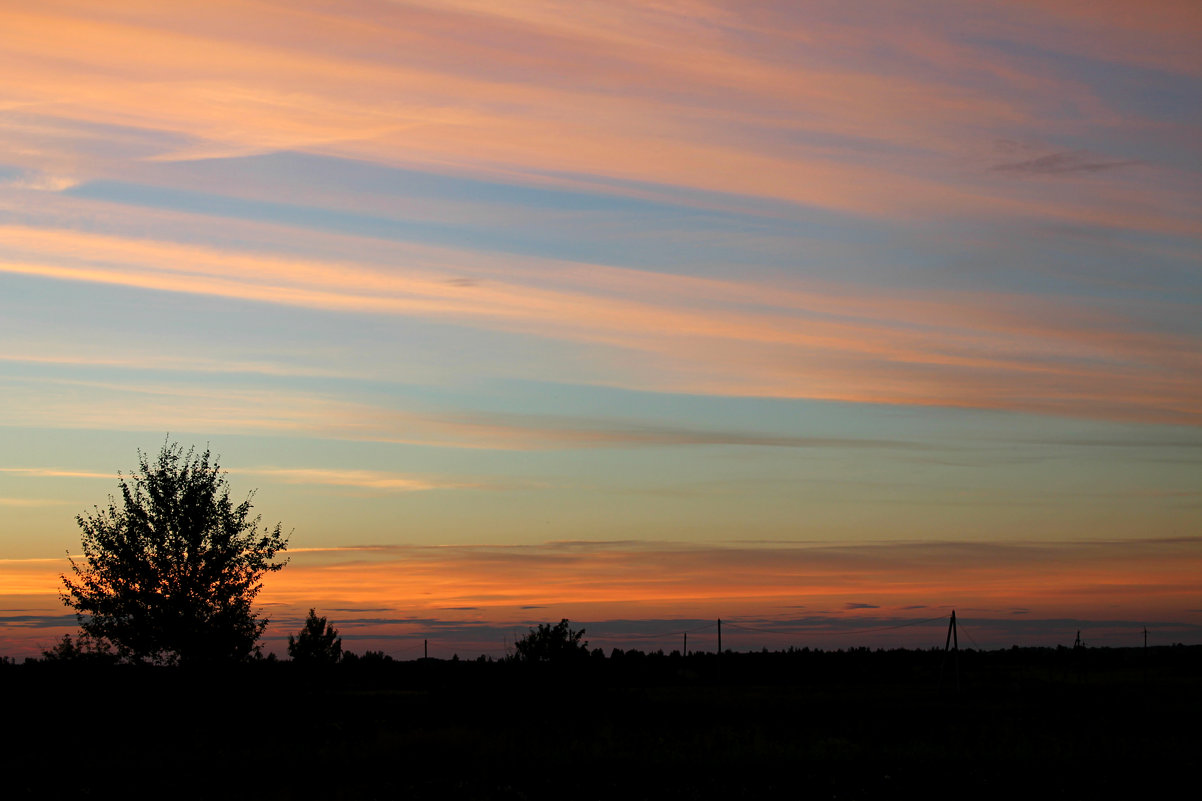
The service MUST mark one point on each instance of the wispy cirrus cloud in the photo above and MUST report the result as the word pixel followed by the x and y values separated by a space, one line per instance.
pixel 361 479
pixel 1063 163
pixel 755 103
pixel 706 335
pixel 236 410
pixel 51 472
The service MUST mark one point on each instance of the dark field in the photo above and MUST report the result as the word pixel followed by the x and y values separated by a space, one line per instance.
pixel 855 724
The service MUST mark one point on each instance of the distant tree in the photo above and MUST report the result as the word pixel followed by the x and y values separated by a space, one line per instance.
pixel 547 643
pixel 169 571
pixel 317 643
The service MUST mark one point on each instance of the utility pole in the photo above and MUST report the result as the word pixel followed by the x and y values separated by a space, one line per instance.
pixel 685 652
pixel 719 649
pixel 952 642
pixel 425 649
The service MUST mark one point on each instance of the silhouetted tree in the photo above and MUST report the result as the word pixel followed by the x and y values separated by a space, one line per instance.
pixel 317 643
pixel 170 571
pixel 549 643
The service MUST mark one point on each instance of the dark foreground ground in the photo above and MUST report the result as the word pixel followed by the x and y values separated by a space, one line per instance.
pixel 1040 723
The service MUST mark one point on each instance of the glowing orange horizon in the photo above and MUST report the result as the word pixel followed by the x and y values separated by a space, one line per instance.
pixel 654 580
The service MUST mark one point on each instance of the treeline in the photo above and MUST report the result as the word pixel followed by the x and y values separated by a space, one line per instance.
pixel 629 723
pixel 935 668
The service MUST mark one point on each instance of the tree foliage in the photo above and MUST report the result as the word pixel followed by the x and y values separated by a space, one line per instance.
pixel 170 571
pixel 317 643
pixel 547 643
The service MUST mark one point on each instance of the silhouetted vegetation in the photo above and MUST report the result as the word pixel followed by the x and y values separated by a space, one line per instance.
pixel 854 723
pixel 317 643
pixel 83 648
pixel 170 570
pixel 556 644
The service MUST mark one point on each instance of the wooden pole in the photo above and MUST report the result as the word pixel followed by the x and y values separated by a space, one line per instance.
pixel 426 649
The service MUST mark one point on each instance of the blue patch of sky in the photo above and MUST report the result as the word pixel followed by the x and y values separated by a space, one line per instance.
pixel 275 335
pixel 361 176
pixel 661 237
pixel 536 405
pixel 304 216
pixel 663 208
pixel 1134 91
pixel 937 427
pixel 140 321
pixel 799 218
pixel 1071 260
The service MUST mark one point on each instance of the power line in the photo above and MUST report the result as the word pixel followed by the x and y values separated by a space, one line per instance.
pixel 664 635
pixel 787 630
pixel 968 634
pixel 795 630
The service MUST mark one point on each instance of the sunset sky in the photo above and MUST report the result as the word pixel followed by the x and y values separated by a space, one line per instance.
pixel 824 318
